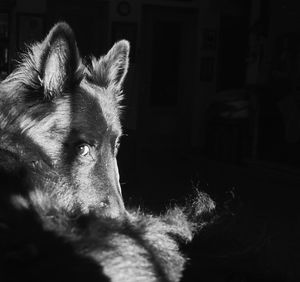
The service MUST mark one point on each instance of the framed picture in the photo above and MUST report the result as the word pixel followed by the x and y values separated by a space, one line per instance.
pixel 4 45
pixel 30 28
pixel 125 30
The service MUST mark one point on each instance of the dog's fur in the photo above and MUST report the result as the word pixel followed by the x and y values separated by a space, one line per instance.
pixel 62 216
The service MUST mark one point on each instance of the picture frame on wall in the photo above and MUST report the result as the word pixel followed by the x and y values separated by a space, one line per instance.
pixel 4 45
pixel 30 28
pixel 128 31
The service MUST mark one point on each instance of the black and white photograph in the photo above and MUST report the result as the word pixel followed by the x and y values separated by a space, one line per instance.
pixel 149 140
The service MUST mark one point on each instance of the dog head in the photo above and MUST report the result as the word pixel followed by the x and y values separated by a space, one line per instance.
pixel 68 114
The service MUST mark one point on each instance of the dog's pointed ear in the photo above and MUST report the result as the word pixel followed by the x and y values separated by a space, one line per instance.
pixel 59 60
pixel 111 69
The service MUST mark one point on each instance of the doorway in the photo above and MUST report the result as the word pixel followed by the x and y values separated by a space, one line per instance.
pixel 167 82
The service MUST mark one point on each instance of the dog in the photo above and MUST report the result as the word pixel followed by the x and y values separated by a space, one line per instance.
pixel 62 215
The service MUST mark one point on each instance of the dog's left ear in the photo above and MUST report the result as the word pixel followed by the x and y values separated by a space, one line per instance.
pixel 59 60
pixel 111 69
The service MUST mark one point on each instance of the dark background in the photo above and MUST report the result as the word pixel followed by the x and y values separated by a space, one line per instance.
pixel 212 102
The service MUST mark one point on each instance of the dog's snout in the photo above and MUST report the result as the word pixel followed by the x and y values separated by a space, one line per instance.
pixel 110 209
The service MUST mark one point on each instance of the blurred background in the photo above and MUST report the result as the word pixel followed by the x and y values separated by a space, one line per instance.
pixel 212 102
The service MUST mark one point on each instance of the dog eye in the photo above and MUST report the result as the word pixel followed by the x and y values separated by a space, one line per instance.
pixel 83 149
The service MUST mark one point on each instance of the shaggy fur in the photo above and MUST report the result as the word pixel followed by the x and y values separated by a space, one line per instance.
pixel 39 238
pixel 62 216
pixel 54 105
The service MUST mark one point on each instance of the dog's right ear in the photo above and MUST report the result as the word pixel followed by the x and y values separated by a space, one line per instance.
pixel 111 69
pixel 58 60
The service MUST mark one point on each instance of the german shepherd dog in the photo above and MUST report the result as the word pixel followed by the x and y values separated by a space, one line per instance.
pixel 62 216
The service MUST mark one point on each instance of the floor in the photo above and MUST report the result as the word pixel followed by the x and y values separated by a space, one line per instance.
pixel 256 237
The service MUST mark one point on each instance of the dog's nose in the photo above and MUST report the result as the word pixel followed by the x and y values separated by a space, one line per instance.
pixel 110 208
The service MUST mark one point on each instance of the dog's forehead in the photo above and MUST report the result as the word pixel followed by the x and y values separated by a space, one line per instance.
pixel 101 105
